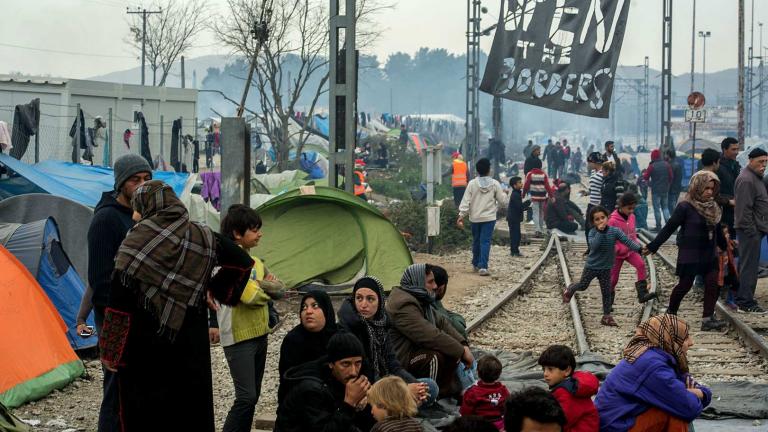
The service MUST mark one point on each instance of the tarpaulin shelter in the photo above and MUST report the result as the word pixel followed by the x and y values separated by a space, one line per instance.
pixel 38 246
pixel 73 220
pixel 80 183
pixel 325 235
pixel 38 357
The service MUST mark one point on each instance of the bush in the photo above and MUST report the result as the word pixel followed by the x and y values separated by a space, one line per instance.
pixel 410 218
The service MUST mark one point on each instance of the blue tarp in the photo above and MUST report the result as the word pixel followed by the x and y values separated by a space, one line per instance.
pixel 322 125
pixel 81 183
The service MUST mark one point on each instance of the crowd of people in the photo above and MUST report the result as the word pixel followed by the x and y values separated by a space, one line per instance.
pixel 163 288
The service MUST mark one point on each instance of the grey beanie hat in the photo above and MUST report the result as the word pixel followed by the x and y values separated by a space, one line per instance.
pixel 127 166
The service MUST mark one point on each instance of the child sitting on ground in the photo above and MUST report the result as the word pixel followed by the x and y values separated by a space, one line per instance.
pixel 572 389
pixel 392 406
pixel 602 239
pixel 623 218
pixel 486 397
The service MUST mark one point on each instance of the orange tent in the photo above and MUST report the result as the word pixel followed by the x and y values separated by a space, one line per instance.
pixel 35 356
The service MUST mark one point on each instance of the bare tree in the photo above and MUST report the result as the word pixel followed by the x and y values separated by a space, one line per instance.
pixel 169 33
pixel 299 41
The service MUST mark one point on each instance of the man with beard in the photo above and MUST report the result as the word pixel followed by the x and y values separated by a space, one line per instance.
pixel 328 394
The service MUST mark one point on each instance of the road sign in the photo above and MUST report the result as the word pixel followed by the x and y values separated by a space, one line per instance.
pixel 696 100
pixel 696 115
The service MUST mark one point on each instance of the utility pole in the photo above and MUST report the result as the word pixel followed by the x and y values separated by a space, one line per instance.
pixel 761 94
pixel 144 14
pixel 666 77
pixel 740 50
pixel 693 62
pixel 342 118
pixel 472 123
pixel 750 74
pixel 645 102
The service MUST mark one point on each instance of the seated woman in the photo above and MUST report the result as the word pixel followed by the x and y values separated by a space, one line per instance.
pixel 307 341
pixel 363 315
pixel 558 211
pixel 650 389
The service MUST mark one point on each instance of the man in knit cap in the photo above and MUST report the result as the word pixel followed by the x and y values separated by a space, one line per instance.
pixel 751 225
pixel 111 221
pixel 328 394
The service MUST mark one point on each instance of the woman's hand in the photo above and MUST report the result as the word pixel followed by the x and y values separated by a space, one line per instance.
pixel 690 385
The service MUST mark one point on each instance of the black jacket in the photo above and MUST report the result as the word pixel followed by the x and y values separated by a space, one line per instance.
pixel 530 163
pixel 728 172
pixel 315 402
pixel 613 186
pixel 516 207
pixel 676 185
pixel 109 226
pixel 350 321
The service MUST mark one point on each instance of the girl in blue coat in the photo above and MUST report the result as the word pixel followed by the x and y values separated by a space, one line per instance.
pixel 650 389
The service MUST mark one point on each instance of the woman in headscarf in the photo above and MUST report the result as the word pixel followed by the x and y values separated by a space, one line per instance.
pixel 155 333
pixel 425 342
pixel 698 217
pixel 307 341
pixel 363 315
pixel 650 389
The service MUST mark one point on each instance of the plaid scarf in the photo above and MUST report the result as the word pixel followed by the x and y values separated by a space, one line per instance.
pixel 169 257
pixel 667 332
pixel 709 209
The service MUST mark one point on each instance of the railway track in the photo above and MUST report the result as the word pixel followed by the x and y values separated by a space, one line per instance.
pixel 531 317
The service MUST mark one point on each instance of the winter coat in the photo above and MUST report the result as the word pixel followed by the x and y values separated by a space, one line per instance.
pixel 651 381
pixel 676 185
pixel 574 394
pixel 601 247
pixel 516 207
pixel 411 332
pixel 557 212
pixel 531 162
pixel 537 183
pixel 628 226
pixel 482 199
pixel 109 226
pixel 751 203
pixel 659 173
pixel 727 173
pixel 613 186
pixel 350 321
pixel 315 402
pixel 485 400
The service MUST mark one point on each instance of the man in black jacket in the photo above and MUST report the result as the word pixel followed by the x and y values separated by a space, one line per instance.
pixel 110 224
pixel 325 395
pixel 728 172
pixel 676 185
pixel 533 160
pixel 515 214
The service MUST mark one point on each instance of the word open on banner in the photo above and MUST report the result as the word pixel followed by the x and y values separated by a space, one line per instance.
pixel 557 54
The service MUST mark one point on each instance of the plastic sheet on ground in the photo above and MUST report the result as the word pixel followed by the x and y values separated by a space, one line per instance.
pixel 730 400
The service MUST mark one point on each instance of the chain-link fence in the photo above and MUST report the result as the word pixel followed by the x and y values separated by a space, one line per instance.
pixel 121 135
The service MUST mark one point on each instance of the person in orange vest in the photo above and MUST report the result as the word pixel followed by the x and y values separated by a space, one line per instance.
pixel 459 180
pixel 360 184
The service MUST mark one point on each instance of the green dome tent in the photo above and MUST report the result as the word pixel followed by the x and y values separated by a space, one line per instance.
pixel 325 235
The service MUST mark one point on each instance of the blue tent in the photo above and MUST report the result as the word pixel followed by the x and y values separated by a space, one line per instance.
pixel 37 245
pixel 81 183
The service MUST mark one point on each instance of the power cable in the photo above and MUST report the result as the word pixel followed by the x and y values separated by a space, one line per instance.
pixel 64 52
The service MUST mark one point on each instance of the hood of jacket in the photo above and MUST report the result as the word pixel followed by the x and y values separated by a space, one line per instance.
pixel 108 200
pixel 485 184
pixel 580 384
pixel 655 154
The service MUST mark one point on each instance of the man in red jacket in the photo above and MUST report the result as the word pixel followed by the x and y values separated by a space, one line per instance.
pixel 572 389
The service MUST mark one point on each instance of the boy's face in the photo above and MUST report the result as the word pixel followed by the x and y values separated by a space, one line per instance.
pixel 517 185
pixel 554 375
pixel 249 239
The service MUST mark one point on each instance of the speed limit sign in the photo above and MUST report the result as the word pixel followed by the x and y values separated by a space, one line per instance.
pixel 696 115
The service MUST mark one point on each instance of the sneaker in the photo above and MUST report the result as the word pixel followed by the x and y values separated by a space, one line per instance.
pixel 484 272
pixel 712 324
pixel 608 321
pixel 753 308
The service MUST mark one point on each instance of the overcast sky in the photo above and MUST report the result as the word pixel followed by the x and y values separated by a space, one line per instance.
pixel 36 35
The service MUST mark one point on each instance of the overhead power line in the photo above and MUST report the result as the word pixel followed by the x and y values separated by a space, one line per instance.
pixel 64 52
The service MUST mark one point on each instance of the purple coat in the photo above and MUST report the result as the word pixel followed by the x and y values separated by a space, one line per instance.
pixel 651 381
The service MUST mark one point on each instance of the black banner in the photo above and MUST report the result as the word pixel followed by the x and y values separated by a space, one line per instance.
pixel 557 54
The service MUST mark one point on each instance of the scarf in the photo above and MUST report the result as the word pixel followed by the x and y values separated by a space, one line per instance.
pixel 169 257
pixel 667 332
pixel 414 282
pixel 376 326
pixel 709 209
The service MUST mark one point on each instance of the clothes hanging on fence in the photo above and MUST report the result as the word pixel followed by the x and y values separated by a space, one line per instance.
pixel 5 137
pixel 211 190
pixel 127 138
pixel 78 134
pixel 26 121
pixel 196 156
pixel 144 137
pixel 175 140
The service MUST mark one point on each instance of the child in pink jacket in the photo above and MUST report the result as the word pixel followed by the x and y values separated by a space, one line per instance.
pixel 623 218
